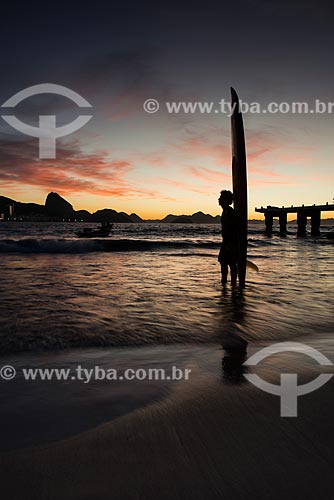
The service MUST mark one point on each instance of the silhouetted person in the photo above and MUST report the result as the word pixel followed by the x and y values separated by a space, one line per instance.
pixel 228 255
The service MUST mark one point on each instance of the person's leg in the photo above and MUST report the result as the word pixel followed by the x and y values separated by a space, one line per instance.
pixel 234 274
pixel 224 270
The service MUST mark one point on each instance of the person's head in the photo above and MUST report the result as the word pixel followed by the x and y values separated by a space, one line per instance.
pixel 225 199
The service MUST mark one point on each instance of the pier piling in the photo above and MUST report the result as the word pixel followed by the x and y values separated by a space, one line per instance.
pixel 315 223
pixel 301 223
pixel 303 212
pixel 283 220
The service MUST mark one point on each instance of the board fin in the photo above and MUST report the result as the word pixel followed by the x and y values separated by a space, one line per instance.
pixel 251 265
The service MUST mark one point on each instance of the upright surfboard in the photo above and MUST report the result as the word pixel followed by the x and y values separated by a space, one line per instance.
pixel 239 176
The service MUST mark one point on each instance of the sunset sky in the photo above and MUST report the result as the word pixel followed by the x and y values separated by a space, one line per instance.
pixel 118 55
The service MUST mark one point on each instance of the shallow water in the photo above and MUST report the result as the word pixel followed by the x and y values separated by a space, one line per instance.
pixel 58 291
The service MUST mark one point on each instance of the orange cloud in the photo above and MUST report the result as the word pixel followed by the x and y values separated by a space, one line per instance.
pixel 71 172
pixel 209 175
pixel 267 156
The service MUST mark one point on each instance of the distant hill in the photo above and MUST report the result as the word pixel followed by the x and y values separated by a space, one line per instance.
pixel 197 218
pixel 82 214
pixel 108 214
pixel 21 209
pixel 56 208
pixel 136 218
pixel 201 218
pixel 170 218
pixel 182 219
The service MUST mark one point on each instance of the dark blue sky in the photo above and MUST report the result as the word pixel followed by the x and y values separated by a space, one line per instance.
pixel 253 40
pixel 118 54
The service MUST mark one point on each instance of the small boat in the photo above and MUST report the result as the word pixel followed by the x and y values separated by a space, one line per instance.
pixel 89 232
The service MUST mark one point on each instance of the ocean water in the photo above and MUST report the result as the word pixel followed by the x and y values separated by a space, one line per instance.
pixel 159 284
pixel 148 296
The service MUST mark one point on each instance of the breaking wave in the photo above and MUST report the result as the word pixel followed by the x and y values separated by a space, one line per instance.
pixel 51 245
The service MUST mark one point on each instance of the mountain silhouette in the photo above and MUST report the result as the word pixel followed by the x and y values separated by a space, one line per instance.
pixel 56 208
pixel 196 218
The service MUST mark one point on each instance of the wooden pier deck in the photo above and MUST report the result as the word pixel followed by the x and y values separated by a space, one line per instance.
pixel 303 212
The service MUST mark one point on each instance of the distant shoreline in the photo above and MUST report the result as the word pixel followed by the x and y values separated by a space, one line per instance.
pixel 143 221
pixel 57 209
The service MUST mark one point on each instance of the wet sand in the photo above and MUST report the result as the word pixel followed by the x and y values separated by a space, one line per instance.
pixel 209 440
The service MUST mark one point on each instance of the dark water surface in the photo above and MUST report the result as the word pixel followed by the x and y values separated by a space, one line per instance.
pixel 151 297
pixel 160 285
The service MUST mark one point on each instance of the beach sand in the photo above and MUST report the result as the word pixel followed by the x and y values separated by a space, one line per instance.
pixel 209 440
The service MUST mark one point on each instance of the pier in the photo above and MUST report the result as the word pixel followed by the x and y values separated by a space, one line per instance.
pixel 303 213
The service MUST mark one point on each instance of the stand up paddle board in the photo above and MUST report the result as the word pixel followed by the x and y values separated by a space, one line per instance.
pixel 239 176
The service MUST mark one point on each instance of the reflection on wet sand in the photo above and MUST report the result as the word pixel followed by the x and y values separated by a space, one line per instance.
pixel 234 346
